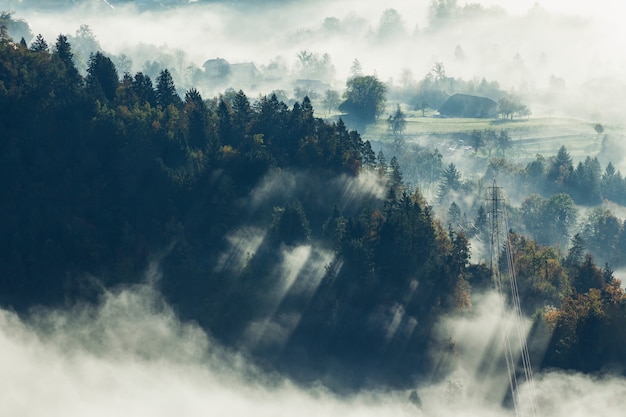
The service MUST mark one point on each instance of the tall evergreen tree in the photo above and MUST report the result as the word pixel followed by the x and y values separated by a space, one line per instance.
pixel 455 217
pixel 368 155
pixel 166 90
pixel 63 50
pixel 143 89
pixel 561 169
pixel 586 181
pixel 225 124
pixel 451 181
pixel 396 175
pixel 198 119
pixel 587 276
pixel 39 44
pixel 560 215
pixel 241 116
pixel 102 79
pixel 63 53
pixel 576 251
pixel 271 120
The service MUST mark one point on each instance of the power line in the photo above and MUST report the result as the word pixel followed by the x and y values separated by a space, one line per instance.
pixel 498 227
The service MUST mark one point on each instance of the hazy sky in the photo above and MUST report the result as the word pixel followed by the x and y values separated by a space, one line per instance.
pixel 575 48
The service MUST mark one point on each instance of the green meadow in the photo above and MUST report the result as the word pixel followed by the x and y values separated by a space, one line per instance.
pixel 530 136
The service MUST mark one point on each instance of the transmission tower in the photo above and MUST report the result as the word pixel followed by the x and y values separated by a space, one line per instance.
pixel 500 241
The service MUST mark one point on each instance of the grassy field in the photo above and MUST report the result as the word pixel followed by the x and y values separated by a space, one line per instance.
pixel 535 135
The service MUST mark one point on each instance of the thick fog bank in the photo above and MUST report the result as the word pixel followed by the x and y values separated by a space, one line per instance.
pixel 545 48
pixel 131 355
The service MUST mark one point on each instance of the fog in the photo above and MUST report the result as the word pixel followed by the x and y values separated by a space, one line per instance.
pixel 131 355
pixel 523 45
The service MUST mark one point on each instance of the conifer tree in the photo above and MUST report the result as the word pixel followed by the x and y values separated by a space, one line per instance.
pixel 166 90
pixel 451 181
pixel 369 157
pixel 241 113
pixel 143 89
pixel 63 52
pixel 102 79
pixel 396 174
pixel 39 44
pixel 197 116
pixel 225 124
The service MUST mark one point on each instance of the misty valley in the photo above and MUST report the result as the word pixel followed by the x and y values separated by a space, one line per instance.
pixel 194 228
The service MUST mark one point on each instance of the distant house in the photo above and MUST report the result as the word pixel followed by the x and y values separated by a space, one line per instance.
pixel 464 105
pixel 216 69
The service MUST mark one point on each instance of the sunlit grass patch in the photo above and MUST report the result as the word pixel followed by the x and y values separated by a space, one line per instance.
pixel 531 136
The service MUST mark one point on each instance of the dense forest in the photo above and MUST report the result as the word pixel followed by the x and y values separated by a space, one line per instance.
pixel 280 233
pixel 558 199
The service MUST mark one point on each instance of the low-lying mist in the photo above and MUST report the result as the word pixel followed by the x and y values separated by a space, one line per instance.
pixel 131 355
pixel 568 56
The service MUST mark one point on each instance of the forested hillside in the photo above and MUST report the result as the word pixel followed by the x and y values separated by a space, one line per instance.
pixel 280 233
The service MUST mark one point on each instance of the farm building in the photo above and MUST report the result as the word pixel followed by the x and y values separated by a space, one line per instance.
pixel 464 105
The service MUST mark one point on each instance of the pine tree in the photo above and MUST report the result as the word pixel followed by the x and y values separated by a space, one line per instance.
pixel 102 79
pixel 143 89
pixel 241 114
pixel 561 169
pixel 396 175
pixel 63 50
pixel 166 90
pixel 454 216
pixel 225 123
pixel 451 181
pixel 368 156
pixel 63 53
pixel 197 116
pixel 39 44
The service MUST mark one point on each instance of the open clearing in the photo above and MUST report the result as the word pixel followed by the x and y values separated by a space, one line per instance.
pixel 535 135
